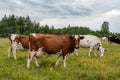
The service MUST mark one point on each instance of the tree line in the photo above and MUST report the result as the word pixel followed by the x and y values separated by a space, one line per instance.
pixel 24 25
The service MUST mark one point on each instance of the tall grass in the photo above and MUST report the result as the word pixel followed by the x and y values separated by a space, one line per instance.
pixel 79 67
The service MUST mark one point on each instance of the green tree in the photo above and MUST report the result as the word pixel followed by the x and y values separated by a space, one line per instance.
pixel 21 23
pixel 12 23
pixel 105 28
pixel 3 26
pixel 46 29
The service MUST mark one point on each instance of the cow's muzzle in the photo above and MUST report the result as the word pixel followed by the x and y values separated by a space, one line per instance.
pixel 76 47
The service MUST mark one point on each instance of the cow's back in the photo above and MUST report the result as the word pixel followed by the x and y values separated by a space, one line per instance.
pixel 89 40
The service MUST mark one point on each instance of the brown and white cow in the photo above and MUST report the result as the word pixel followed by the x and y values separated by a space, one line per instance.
pixel 51 44
pixel 17 42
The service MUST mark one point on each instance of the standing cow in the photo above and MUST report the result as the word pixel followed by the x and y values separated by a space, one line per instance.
pixel 17 42
pixel 52 44
pixel 92 42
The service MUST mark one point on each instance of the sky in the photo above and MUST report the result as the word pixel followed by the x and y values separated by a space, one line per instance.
pixel 61 13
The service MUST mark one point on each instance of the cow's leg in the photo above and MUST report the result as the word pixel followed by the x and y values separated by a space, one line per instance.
pixel 59 58
pixel 64 61
pixel 90 51
pixel 14 53
pixel 9 51
pixel 36 62
pixel 76 52
pixel 95 52
pixel 31 55
pixel 14 48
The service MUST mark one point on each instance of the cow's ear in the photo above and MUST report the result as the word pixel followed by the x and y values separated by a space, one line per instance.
pixel 81 37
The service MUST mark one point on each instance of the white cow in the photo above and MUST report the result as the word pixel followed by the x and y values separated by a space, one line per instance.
pixel 92 42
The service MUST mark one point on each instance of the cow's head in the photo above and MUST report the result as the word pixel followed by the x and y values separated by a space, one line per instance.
pixel 76 39
pixel 17 39
pixel 102 51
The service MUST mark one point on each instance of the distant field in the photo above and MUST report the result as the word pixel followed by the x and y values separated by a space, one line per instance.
pixel 79 67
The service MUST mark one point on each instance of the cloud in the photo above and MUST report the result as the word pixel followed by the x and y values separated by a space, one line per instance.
pixel 112 13
pixel 113 17
pixel 60 13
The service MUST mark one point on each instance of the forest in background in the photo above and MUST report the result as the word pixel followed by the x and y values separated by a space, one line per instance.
pixel 24 25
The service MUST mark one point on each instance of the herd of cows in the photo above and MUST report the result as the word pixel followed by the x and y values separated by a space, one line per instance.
pixel 39 44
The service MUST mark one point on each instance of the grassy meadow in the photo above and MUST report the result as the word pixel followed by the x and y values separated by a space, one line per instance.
pixel 79 67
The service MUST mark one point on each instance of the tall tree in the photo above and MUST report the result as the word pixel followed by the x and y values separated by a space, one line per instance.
pixel 21 23
pixel 12 23
pixel 105 28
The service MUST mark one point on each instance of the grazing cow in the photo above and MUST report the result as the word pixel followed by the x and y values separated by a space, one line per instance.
pixel 92 42
pixel 114 39
pixel 52 44
pixel 17 42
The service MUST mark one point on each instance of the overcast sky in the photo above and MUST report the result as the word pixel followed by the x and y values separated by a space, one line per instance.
pixel 61 13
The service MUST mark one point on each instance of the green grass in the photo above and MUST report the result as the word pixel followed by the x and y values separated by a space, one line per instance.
pixel 79 67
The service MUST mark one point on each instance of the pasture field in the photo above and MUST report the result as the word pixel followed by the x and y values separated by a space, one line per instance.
pixel 79 67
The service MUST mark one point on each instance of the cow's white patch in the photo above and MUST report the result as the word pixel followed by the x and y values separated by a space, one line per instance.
pixel 60 52
pixel 33 34
pixel 20 47
pixel 76 37
pixel 13 37
pixel 40 52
